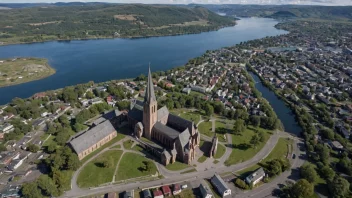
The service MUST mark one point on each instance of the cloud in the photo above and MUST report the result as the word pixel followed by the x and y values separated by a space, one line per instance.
pixel 303 2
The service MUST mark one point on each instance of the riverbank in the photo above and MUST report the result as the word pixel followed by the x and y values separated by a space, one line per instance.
pixel 17 40
pixel 22 70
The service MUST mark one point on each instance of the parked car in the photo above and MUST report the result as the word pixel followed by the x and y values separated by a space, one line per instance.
pixel 293 156
pixel 184 186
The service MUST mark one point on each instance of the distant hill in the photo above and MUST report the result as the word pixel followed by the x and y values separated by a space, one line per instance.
pixel 29 5
pixel 283 14
pixel 300 11
pixel 72 21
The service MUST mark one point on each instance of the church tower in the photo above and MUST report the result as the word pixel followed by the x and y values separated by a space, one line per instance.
pixel 150 108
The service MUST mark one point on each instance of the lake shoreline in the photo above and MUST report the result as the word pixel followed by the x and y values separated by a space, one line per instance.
pixel 51 71
pixel 2 43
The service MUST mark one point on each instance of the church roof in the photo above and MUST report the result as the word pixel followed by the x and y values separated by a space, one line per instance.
pixel 112 114
pixel 162 112
pixel 149 93
pixel 92 136
pixel 184 137
pixel 168 131
pixel 179 123
pixel 136 114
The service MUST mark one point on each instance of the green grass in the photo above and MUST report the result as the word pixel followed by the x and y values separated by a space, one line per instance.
pixel 117 146
pixel 216 161
pixel 220 151
pixel 130 167
pixel 189 171
pixel 128 144
pixel 137 147
pixel 177 166
pixel 113 141
pixel 202 159
pixel 192 116
pixel 205 128
pixel 280 150
pixel 94 174
pixel 67 175
pixel 242 150
pixel 186 193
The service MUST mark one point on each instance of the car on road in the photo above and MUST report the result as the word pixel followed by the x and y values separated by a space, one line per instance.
pixel 293 156
pixel 184 186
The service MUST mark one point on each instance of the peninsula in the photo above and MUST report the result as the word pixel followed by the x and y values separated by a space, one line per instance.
pixel 21 70
pixel 37 24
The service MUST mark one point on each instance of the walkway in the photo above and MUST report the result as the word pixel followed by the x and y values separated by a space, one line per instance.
pixel 76 192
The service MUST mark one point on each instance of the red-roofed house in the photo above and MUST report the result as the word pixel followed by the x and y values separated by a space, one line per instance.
pixel 166 190
pixel 39 95
pixel 176 189
pixel 158 194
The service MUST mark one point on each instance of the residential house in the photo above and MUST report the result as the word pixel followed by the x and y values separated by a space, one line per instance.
pixel 146 194
pixel 176 189
pixel 158 194
pixel 220 185
pixel 111 195
pixel 255 177
pixel 166 190
pixel 205 190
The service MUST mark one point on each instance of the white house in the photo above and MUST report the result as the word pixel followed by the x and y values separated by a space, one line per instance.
pixel 220 185
pixel 255 177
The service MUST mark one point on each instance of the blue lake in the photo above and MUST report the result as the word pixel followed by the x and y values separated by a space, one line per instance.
pixel 106 59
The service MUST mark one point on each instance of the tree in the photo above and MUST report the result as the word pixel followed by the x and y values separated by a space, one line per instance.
pixel 73 162
pixel 241 184
pixel 308 172
pixel 108 163
pixel 209 110
pixel 147 165
pixel 327 173
pixel 339 187
pixel 323 153
pixel 2 147
pixel 51 148
pixel 273 167
pixel 255 120
pixel 239 126
pixel 89 95
pixel 47 185
pixel 327 133
pixel 261 136
pixel 32 148
pixel 31 190
pixel 255 140
pixel 302 189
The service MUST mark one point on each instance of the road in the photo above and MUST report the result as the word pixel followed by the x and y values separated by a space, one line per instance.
pixel 258 192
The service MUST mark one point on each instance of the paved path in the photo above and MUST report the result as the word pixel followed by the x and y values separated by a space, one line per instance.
pixel 77 192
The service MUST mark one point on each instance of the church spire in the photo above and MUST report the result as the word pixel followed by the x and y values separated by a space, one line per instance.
pixel 149 93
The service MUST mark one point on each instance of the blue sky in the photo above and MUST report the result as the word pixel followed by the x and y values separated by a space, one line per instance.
pixel 305 2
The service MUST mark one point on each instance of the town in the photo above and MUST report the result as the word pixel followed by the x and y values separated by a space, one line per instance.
pixel 211 135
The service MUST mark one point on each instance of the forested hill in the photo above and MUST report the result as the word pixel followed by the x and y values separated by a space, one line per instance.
pixel 97 21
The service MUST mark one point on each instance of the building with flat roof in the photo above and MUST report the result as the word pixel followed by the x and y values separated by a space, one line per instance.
pixel 85 143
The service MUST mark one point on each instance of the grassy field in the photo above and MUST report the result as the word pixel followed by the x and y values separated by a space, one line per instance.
pixel 128 144
pixel 242 150
pixel 202 159
pixel 192 116
pixel 94 174
pixel 113 141
pixel 205 128
pixel 220 152
pixel 22 70
pixel 137 147
pixel 177 166
pixel 131 167
pixel 280 150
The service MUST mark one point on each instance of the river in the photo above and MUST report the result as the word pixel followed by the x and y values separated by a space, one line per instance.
pixel 283 112
pixel 106 59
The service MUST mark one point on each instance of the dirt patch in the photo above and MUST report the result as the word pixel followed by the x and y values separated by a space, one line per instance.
pixel 34 68
pixel 44 23
pixel 128 17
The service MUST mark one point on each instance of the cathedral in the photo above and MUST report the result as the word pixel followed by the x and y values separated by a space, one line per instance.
pixel 179 137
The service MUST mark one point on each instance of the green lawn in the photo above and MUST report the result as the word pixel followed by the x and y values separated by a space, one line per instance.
pixel 220 152
pixel 177 166
pixel 192 116
pixel 117 146
pixel 242 150
pixel 189 171
pixel 131 166
pixel 137 147
pixel 205 128
pixel 113 141
pixel 202 159
pixel 280 150
pixel 94 174
pixel 128 144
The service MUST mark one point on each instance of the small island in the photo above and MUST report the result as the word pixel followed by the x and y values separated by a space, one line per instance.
pixel 21 70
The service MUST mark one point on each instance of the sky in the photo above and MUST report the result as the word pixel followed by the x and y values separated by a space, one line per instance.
pixel 302 2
